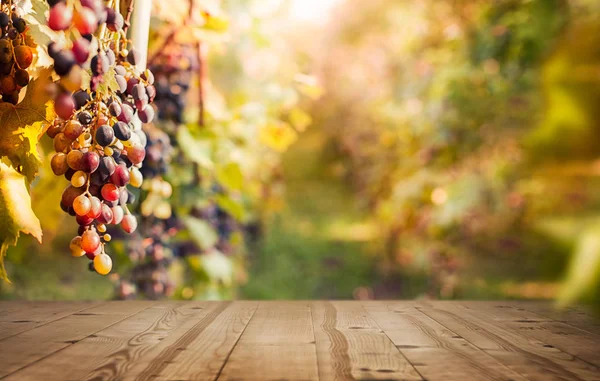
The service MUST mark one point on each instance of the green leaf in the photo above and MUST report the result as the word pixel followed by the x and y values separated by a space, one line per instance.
pixel 230 176
pixel 197 150
pixel 234 208
pixel 16 215
pixel 201 232
pixel 584 270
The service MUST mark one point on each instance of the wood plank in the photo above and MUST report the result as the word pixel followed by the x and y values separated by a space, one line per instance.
pixel 437 352
pixel 529 357
pixel 252 362
pixel 144 349
pixel 196 353
pixel 351 346
pixel 77 361
pixel 22 317
pixel 572 316
pixel 280 323
pixel 277 344
pixel 568 339
pixel 28 347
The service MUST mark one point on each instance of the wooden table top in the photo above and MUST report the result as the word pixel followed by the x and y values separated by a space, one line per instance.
pixel 321 340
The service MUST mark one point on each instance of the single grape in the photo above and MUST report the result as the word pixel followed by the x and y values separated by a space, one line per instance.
pixel 117 215
pixel 75 246
pixel 120 177
pixel 136 154
pixel 121 129
pixel 84 118
pixel 99 64
pixel 115 109
pixel 121 82
pixel 135 177
pixel 107 166
pixel 110 192
pixel 81 50
pixel 73 129
pixel 81 98
pixel 23 56
pixel 90 241
pixel 120 70
pixel 105 135
pixel 85 21
pixel 148 76
pixel 131 83
pixel 13 34
pixel 123 196
pixel 82 205
pixel 95 208
pixel 112 59
pixel 64 105
pixel 8 84
pixel 102 264
pixel 129 223
pixel 75 160
pixel 83 220
pixel 61 142
pixel 59 164
pixel 60 17
pixel 79 179
pixel 91 161
pixel 19 24
pixel 22 77
pixel 70 194
pixel 106 215
pixel 64 61
pixel 151 92
pixel 114 21
pixel 146 114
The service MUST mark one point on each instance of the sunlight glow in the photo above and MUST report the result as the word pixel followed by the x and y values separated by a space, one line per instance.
pixel 312 10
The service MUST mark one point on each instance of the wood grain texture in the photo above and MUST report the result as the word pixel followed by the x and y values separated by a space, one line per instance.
pixel 562 336
pixel 532 358
pixel 277 344
pixel 251 362
pixel 351 346
pixel 436 351
pixel 17 317
pixel 204 356
pixel 297 341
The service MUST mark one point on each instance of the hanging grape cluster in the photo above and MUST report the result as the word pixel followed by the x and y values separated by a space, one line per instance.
pixel 173 69
pixel 150 247
pixel 15 55
pixel 99 148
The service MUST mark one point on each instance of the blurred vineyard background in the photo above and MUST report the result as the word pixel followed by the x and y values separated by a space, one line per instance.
pixel 355 149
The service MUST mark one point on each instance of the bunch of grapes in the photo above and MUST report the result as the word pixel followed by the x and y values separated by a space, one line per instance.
pixel 99 148
pixel 173 69
pixel 150 249
pixel 15 55
pixel 152 254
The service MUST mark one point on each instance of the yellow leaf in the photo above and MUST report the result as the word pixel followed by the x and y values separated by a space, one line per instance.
pixel 278 136
pixel 16 215
pixel 23 125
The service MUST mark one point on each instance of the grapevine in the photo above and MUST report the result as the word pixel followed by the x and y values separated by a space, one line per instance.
pixel 99 147
pixel 15 55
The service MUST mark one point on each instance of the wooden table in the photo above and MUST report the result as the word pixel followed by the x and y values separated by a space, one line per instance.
pixel 255 341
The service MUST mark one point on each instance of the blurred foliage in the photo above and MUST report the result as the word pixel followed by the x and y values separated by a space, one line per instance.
pixel 467 128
